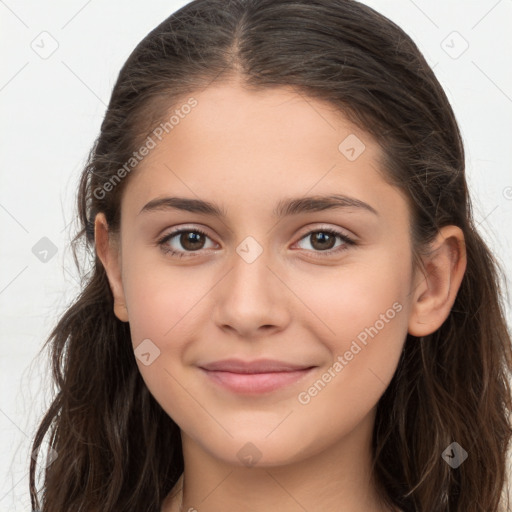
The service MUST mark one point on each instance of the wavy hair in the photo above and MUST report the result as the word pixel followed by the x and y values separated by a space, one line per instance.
pixel 117 448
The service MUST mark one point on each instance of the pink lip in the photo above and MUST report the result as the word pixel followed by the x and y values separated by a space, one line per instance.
pixel 256 366
pixel 253 377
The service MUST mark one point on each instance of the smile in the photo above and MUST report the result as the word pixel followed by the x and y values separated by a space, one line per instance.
pixel 255 383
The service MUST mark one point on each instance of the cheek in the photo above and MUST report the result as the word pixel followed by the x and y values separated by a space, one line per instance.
pixel 365 354
pixel 360 315
pixel 161 299
pixel 163 306
pixel 340 303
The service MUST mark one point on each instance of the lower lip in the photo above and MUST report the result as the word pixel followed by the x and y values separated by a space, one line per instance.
pixel 254 383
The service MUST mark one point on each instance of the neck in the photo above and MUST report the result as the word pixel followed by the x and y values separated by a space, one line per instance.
pixel 338 475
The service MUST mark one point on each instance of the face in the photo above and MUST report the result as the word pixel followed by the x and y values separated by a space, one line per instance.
pixel 320 285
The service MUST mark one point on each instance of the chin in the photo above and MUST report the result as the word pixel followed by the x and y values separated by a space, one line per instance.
pixel 257 450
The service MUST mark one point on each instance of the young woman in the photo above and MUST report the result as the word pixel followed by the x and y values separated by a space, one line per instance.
pixel 289 306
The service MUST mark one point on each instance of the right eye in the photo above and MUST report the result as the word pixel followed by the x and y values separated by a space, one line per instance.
pixel 191 240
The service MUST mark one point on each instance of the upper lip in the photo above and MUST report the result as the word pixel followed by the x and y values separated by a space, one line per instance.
pixel 257 366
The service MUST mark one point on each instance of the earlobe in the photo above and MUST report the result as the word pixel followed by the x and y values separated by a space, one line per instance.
pixel 107 251
pixel 437 288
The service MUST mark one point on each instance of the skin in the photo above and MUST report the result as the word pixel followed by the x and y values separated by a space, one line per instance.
pixel 246 151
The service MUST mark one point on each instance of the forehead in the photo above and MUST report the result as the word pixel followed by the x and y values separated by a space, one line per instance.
pixel 244 147
pixel 277 117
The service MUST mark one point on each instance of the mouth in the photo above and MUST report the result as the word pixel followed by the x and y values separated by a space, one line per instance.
pixel 255 377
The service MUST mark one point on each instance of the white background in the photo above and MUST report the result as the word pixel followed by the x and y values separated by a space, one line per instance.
pixel 52 109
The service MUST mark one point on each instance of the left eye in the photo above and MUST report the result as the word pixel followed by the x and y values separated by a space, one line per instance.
pixel 322 240
pixel 193 240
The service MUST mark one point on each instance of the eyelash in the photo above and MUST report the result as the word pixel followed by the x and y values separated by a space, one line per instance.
pixel 180 254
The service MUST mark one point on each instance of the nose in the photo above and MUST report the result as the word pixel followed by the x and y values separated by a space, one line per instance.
pixel 252 300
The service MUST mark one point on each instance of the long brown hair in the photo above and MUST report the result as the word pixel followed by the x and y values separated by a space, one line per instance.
pixel 117 448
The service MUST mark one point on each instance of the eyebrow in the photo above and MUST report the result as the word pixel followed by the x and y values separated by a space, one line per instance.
pixel 284 208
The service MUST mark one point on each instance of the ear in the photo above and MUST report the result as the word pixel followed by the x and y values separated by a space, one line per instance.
pixel 107 249
pixel 435 290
